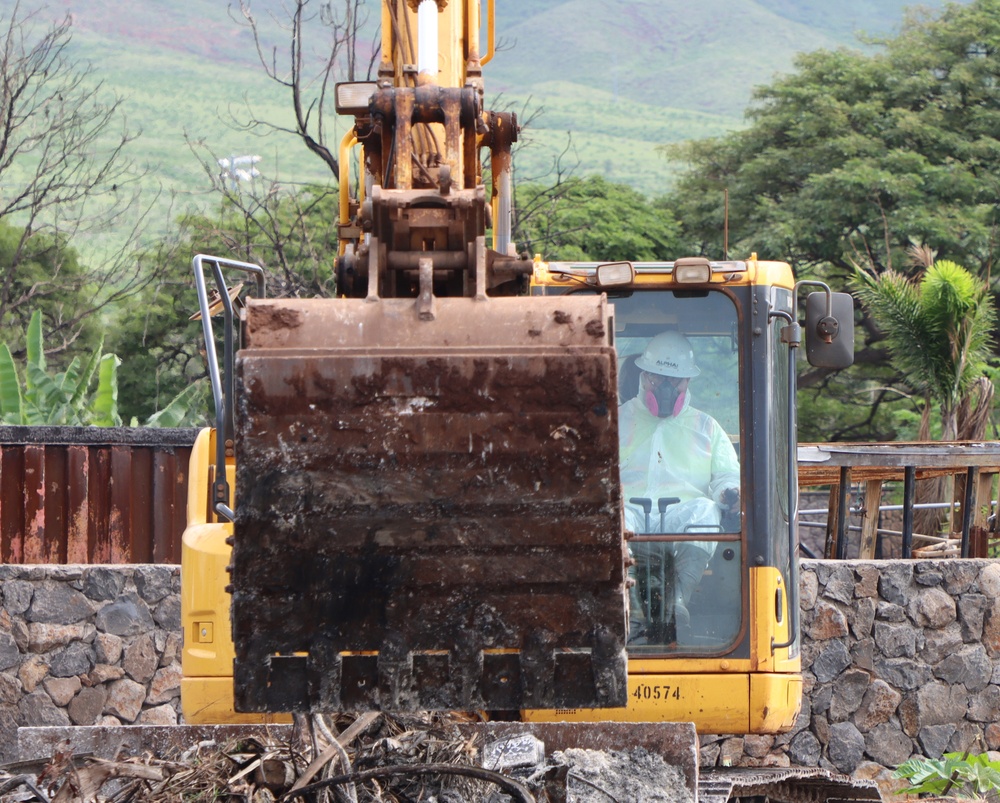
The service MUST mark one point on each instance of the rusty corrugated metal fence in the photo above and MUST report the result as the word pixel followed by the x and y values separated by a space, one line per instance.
pixel 93 494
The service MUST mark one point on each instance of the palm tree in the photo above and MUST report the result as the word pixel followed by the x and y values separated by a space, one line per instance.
pixel 938 329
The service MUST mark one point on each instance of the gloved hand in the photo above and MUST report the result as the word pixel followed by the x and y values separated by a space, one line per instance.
pixel 730 500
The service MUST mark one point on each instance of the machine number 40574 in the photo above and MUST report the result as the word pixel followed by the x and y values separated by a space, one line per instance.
pixel 646 691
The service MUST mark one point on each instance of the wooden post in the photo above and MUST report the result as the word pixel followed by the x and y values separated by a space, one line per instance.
pixel 869 519
pixel 979 536
pixel 969 504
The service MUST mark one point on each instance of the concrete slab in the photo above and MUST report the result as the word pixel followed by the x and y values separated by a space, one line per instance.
pixel 677 742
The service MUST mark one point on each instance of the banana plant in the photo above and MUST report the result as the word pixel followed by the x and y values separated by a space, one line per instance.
pixel 960 775
pixel 65 398
pixel 183 410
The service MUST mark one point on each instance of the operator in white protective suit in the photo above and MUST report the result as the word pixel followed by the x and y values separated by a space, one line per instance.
pixel 669 449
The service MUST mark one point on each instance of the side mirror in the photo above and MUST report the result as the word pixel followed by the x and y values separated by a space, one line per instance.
pixel 830 330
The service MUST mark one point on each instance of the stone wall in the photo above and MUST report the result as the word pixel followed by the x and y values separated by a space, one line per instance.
pixel 88 645
pixel 900 658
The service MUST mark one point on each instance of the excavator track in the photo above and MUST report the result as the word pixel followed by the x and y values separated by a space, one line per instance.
pixel 427 506
pixel 782 785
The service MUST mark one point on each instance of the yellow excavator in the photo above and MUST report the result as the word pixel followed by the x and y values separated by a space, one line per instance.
pixel 416 489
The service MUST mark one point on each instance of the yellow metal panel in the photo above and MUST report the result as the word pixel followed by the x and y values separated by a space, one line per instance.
pixel 714 703
pixel 202 457
pixel 209 701
pixel 777 274
pixel 760 273
pixel 685 666
pixel 458 32
pixel 207 657
pixel 784 664
pixel 387 37
pixel 204 601
pixel 453 43
pixel 348 141
pixel 208 648
pixel 766 584
pixel 201 465
pixel 774 702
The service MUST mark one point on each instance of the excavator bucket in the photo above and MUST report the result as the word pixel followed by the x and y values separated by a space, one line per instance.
pixel 428 511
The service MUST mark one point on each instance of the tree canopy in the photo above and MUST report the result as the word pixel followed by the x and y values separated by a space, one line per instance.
pixel 852 160
pixel 593 219
pixel 293 234
pixel 855 156
pixel 64 174
pixel 845 163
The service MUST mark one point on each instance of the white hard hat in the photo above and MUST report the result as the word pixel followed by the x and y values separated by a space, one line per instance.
pixel 669 354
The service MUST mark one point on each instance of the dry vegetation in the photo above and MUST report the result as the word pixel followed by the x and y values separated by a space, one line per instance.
pixel 372 758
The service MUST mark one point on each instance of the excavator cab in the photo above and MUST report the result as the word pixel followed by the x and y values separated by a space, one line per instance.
pixel 686 587
pixel 420 525
pixel 706 392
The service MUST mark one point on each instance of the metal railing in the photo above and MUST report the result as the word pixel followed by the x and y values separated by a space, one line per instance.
pixel 840 466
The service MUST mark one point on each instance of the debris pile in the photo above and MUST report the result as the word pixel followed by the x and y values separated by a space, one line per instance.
pixel 371 758
pixel 597 776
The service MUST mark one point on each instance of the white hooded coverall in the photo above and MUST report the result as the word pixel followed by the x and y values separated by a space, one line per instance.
pixel 688 456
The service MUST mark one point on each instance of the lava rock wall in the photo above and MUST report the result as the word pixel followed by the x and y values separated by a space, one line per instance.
pixel 900 658
pixel 88 645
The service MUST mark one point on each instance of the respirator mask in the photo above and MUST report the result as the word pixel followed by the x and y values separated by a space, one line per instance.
pixel 665 399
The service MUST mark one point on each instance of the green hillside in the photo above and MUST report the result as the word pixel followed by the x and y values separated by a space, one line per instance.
pixel 846 18
pixel 701 56
pixel 626 75
pixel 182 67
pixel 620 142
pixel 613 78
